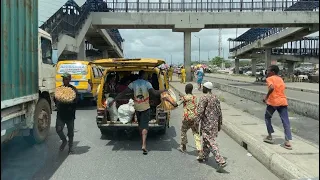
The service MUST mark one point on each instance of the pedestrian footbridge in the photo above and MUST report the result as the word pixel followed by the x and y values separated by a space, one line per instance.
pixel 71 29
pixel 256 39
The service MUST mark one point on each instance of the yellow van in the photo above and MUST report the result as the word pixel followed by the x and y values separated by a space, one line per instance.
pixel 125 71
pixel 85 76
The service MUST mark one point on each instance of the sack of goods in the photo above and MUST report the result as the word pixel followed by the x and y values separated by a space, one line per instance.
pixel 65 94
pixel 169 99
pixel 126 112
pixel 113 112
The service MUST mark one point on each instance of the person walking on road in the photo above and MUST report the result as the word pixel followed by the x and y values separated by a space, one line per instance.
pixel 66 116
pixel 189 115
pixel 170 73
pixel 183 75
pixel 276 100
pixel 141 90
pixel 210 120
pixel 200 74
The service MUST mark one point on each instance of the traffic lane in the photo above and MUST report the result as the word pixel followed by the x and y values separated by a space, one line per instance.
pixel 302 126
pixel 119 157
pixel 300 95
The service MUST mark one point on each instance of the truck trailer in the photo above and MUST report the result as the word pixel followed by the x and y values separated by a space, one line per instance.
pixel 27 73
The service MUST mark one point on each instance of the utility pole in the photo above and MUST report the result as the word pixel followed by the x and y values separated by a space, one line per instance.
pixel 199 48
pixel 220 54
pixel 171 58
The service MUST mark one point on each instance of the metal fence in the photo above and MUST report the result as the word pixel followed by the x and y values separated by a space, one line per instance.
pixel 308 46
pixel 204 6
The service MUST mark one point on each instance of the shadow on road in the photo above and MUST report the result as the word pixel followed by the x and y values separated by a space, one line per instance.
pixel 132 141
pixel 20 160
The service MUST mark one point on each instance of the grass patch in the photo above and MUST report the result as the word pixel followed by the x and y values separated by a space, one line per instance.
pixel 291 113
pixel 247 111
pixel 294 130
pixel 221 99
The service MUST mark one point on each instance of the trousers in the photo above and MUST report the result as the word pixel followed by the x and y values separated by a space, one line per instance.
pixel 210 145
pixel 70 126
pixel 186 125
pixel 283 112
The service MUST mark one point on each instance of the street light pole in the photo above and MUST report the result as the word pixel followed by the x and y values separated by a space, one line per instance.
pixel 171 58
pixel 199 48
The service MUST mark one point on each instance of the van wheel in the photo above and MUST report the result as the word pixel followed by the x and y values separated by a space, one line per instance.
pixel 41 124
pixel 94 102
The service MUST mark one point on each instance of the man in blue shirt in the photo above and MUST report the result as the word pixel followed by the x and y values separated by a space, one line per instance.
pixel 141 90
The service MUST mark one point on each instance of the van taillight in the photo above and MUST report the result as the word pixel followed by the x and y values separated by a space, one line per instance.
pixel 104 103
pixel 100 111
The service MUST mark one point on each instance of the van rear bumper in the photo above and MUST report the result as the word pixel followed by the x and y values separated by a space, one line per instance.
pixel 85 94
pixel 119 126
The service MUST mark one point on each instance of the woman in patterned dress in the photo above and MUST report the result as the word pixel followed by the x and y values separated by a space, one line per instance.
pixel 210 119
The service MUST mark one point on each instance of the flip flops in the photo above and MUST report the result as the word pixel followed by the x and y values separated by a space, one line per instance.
pixel 221 166
pixel 268 140
pixel 289 147
pixel 144 151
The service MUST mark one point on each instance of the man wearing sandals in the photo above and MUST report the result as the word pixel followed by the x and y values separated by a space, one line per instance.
pixel 141 90
pixel 276 100
pixel 210 119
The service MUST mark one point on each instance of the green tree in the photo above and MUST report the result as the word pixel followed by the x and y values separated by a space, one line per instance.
pixel 245 63
pixel 217 61
pixel 227 64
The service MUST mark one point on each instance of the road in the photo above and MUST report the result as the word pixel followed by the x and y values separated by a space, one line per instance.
pixel 98 157
pixel 303 96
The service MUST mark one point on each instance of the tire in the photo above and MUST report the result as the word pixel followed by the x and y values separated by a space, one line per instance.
pixel 41 124
pixel 94 102
pixel 104 132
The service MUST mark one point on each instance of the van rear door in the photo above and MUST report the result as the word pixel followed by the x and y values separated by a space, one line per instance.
pixel 122 62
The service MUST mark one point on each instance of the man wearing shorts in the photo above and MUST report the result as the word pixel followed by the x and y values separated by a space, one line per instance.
pixel 141 90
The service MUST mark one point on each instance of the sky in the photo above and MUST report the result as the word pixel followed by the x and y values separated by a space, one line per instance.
pixel 159 43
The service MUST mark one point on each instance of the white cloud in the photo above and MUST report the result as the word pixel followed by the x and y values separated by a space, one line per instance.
pixel 158 43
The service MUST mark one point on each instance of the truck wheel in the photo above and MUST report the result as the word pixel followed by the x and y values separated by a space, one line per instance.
pixel 42 122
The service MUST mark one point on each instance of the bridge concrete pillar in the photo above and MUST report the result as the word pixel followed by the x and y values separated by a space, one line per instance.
pixel 237 64
pixel 187 54
pixel 82 51
pixel 105 54
pixel 290 67
pixel 267 57
pixel 254 66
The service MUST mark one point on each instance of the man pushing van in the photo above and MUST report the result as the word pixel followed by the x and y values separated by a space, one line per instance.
pixel 141 90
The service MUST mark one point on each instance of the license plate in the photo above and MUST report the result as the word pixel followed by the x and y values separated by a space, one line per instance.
pixel 75 83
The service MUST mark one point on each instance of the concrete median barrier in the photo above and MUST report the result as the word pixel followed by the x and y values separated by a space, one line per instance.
pixel 304 108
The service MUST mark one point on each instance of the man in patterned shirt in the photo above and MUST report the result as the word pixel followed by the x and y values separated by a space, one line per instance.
pixel 189 115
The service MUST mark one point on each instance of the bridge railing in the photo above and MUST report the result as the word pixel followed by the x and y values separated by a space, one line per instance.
pixel 308 46
pixel 240 44
pixel 69 21
pixel 203 6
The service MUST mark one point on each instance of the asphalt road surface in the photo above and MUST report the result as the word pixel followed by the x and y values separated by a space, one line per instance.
pixel 120 158
pixel 300 95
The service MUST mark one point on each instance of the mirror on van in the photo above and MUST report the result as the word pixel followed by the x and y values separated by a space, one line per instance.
pixel 54 56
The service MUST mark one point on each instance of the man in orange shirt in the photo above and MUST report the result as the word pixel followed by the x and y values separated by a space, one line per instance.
pixel 277 100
